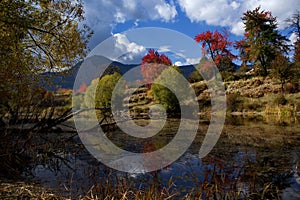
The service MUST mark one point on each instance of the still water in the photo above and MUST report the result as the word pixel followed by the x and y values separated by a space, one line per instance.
pixel 250 153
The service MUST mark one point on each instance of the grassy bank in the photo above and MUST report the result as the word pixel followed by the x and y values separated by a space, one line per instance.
pixel 252 96
pixel 255 96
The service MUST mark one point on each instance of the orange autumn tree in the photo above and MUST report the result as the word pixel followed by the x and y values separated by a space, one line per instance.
pixel 217 46
pixel 153 64
pixel 82 88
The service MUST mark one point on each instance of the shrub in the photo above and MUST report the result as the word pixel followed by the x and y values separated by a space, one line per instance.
pixel 291 88
pixel 77 101
pixel 253 105
pixel 163 95
pixel 204 103
pixel 195 77
pixel 234 102
pixel 230 76
pixel 280 100
pixel 199 88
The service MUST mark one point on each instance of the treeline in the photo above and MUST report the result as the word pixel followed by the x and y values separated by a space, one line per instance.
pixel 42 36
pixel 263 51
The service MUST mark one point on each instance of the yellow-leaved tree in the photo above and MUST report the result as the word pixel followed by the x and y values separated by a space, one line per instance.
pixel 36 36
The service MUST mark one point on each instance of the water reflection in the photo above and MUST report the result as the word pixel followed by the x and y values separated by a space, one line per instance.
pixel 242 168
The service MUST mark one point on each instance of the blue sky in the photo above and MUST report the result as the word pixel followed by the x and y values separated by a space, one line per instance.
pixel 110 18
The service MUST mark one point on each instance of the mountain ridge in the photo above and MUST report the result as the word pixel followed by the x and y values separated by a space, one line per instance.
pixel 90 69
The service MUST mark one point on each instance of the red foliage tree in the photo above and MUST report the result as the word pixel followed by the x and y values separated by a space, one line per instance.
pixel 153 64
pixel 217 45
pixel 82 88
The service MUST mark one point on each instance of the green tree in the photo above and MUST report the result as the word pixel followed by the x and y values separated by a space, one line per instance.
pixel 100 92
pixel 205 69
pixel 105 88
pixel 195 76
pixel 77 101
pixel 296 65
pixel 89 96
pixel 281 69
pixel 262 41
pixel 297 54
pixel 165 96
pixel 37 36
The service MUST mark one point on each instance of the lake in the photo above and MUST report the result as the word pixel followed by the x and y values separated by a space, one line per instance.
pixel 250 153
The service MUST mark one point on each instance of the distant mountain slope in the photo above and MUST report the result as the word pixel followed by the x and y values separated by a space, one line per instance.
pixel 92 68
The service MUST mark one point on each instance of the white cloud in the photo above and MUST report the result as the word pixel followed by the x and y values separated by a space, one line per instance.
pixel 103 15
pixel 178 63
pixel 119 17
pixel 166 11
pixel 235 5
pixel 163 49
pixel 228 13
pixel 182 59
pixel 293 38
pixel 130 50
pixel 136 23
pixel 187 61
pixel 238 28
pixel 192 61
pixel 214 12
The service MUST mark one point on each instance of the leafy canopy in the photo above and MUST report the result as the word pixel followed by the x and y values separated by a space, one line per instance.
pixel 165 96
pixel 153 64
pixel 281 69
pixel 37 36
pixel 262 41
pixel 217 45
pixel 100 92
pixel 44 34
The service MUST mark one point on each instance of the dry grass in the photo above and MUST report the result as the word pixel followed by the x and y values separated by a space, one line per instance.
pixel 217 188
pixel 254 88
pixel 13 191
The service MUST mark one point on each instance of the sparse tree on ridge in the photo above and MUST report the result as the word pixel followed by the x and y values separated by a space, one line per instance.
pixel 262 41
pixel 281 69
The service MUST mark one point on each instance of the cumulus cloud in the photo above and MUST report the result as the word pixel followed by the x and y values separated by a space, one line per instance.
pixel 192 61
pixel 293 38
pixel 181 59
pixel 237 28
pixel 166 11
pixel 228 13
pixel 131 51
pixel 163 49
pixel 214 12
pixel 187 61
pixel 103 15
